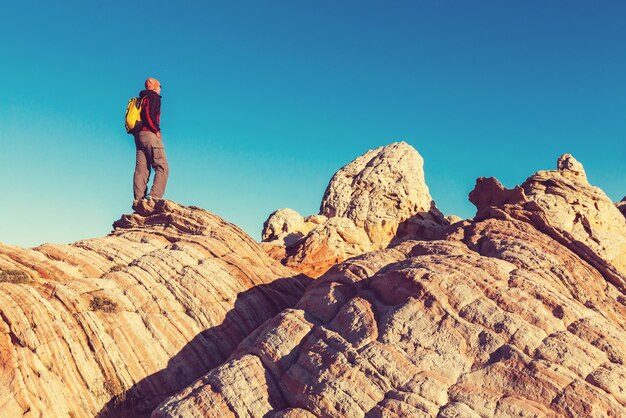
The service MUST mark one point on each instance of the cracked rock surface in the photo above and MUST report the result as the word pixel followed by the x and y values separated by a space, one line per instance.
pixel 379 198
pixel 112 326
pixel 520 312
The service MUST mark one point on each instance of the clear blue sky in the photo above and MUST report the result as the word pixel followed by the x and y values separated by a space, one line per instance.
pixel 264 100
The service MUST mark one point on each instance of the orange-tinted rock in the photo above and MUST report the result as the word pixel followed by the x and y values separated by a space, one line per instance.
pixel 580 212
pixel 326 245
pixel 378 199
pixel 516 313
pixel 113 325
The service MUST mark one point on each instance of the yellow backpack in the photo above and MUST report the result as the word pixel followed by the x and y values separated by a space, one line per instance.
pixel 133 115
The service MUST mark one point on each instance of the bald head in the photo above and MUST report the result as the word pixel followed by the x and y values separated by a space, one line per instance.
pixel 153 84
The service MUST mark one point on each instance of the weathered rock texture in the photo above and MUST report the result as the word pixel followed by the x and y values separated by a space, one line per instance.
pixel 587 216
pixel 287 226
pixel 379 198
pixel 379 190
pixel 520 312
pixel 111 326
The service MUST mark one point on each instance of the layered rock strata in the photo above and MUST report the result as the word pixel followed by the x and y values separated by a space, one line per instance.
pixel 379 198
pixel 111 326
pixel 519 312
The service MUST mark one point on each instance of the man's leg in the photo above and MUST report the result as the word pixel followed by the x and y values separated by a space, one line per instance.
pixel 161 169
pixel 142 172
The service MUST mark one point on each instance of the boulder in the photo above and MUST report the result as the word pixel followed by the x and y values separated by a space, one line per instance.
pixel 379 190
pixel 379 199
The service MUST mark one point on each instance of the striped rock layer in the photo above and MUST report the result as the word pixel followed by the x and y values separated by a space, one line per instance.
pixel 520 312
pixel 112 326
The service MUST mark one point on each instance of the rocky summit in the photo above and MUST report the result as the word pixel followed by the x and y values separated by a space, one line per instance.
pixel 112 326
pixel 404 312
pixel 378 198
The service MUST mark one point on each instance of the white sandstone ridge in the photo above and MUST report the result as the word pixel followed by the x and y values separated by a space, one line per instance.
pixel 590 217
pixel 378 198
pixel 562 204
pixel 518 312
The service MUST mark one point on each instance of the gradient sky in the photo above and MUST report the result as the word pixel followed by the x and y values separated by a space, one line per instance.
pixel 263 101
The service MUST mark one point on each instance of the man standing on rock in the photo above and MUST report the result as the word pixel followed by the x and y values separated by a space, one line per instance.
pixel 150 150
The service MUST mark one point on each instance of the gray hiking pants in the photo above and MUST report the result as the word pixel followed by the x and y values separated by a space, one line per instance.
pixel 150 153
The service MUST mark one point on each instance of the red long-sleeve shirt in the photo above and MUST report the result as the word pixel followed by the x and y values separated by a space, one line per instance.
pixel 150 111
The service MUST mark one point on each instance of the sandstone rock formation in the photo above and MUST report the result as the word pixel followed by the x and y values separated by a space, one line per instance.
pixel 284 228
pixel 587 216
pixel 519 312
pixel 287 226
pixel 379 190
pixel 329 243
pixel 381 194
pixel 563 205
pixel 111 326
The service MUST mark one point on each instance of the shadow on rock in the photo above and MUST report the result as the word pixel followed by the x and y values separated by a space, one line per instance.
pixel 208 349
pixel 423 226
